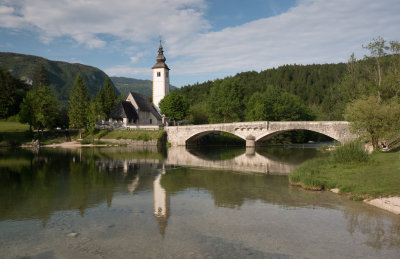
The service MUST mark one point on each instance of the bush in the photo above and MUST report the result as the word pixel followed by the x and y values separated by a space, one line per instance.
pixel 352 151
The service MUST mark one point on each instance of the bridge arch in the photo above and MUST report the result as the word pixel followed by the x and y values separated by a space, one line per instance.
pixel 270 135
pixel 191 139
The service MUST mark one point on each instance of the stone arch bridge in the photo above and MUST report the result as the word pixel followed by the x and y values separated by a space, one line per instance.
pixel 253 132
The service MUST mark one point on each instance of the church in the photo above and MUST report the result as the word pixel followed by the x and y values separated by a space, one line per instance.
pixel 137 111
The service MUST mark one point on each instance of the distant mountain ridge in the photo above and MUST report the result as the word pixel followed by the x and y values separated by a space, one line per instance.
pixel 126 85
pixel 61 74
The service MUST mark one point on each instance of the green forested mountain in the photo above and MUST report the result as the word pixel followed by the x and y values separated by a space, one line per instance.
pixel 61 74
pixel 126 85
pixel 313 84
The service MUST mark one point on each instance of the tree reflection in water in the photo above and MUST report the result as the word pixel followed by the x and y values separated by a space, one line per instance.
pixel 34 186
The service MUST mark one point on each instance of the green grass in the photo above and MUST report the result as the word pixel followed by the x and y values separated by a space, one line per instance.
pixel 144 135
pixel 380 176
pixel 14 133
pixel 8 126
pixel 352 151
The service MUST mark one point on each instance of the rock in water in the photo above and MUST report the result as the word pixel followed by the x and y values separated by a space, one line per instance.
pixel 72 234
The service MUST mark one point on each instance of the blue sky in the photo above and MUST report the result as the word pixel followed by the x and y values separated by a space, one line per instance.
pixel 202 39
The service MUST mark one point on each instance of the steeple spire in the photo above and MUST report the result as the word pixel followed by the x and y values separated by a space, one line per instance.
pixel 160 59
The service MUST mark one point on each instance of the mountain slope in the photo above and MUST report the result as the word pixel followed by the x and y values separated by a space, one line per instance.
pixel 61 74
pixel 126 85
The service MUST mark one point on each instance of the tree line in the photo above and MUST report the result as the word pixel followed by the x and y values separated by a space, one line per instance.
pixel 38 106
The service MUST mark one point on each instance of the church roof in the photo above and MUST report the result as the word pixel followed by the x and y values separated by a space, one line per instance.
pixel 124 109
pixel 145 105
pixel 160 59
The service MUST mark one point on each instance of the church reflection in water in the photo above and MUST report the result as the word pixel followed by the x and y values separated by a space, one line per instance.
pixel 161 203
pixel 87 178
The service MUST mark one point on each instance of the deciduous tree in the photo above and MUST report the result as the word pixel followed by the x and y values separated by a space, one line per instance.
pixel 373 118
pixel 276 104
pixel 226 101
pixel 39 108
pixel 174 106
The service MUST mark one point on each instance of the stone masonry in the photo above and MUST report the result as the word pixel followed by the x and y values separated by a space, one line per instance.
pixel 260 130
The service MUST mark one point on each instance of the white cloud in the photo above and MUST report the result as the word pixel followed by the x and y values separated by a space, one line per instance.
pixel 314 31
pixel 136 58
pixel 9 17
pixel 88 21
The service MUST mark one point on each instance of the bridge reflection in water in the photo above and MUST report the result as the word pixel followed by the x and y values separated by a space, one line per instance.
pixel 57 180
pixel 268 161
pixel 248 161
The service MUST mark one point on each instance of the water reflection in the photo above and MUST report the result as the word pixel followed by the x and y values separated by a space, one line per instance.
pixel 35 186
pixel 264 160
pixel 161 203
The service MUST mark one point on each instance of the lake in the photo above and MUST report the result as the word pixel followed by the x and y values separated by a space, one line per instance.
pixel 178 203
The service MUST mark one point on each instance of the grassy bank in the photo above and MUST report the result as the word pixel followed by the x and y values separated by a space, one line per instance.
pixel 144 135
pixel 15 134
pixel 364 176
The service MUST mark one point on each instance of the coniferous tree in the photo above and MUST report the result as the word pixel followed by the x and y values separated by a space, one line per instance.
pixel 40 77
pixel 78 105
pixel 109 97
pixel 93 116
pixel 100 101
pixel 12 92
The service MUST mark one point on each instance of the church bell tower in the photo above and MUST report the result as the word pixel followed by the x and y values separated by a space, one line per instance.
pixel 160 77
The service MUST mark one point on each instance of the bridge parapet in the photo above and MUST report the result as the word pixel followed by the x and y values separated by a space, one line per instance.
pixel 259 130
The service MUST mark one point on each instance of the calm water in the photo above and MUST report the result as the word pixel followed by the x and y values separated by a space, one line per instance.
pixel 124 203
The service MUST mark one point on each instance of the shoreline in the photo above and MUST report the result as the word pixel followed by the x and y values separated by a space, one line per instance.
pixel 391 204
pixel 74 144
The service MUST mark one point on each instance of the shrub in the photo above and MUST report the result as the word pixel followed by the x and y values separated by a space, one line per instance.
pixel 352 151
